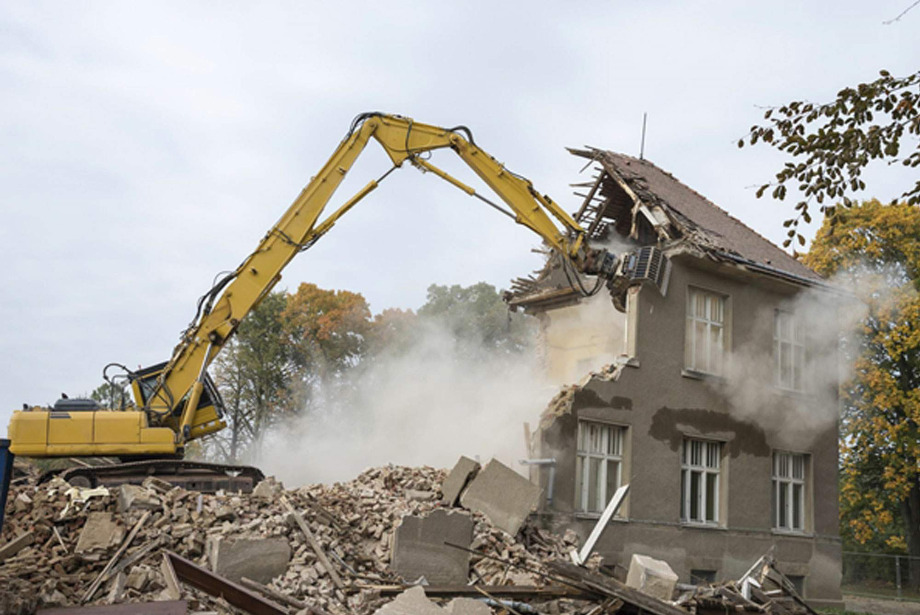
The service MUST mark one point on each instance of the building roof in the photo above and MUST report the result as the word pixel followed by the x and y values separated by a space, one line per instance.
pixel 635 199
pixel 696 216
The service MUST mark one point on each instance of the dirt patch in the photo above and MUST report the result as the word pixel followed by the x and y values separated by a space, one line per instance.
pixel 879 606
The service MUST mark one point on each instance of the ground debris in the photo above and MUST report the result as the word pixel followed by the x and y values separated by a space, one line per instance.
pixel 340 539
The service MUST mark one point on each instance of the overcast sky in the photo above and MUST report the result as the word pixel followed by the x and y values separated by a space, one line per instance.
pixel 146 147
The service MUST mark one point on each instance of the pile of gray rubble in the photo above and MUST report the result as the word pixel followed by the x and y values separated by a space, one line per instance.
pixel 394 541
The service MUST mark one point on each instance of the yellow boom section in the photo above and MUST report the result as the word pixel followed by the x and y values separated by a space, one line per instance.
pixel 403 139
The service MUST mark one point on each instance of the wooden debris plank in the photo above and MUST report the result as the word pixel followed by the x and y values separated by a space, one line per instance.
pixel 170 607
pixel 217 586
pixel 472 591
pixel 16 545
pixel 112 562
pixel 275 595
pixel 118 588
pixel 170 578
pixel 614 589
pixel 314 544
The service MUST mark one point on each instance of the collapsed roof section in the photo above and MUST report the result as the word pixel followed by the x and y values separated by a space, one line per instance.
pixel 633 202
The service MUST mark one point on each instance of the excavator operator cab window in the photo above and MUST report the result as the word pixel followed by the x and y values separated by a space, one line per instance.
pixel 145 381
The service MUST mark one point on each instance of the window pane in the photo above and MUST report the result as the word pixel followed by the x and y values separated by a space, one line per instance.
pixel 796 507
pixel 593 464
pixel 699 305
pixel 782 465
pixel 579 479
pixel 613 481
pixel 783 507
pixel 699 358
pixel 717 310
pixel 712 493
pixel 696 494
pixel 713 450
pixel 798 466
pixel 715 349
pixel 773 503
pixel 615 441
pixel 683 494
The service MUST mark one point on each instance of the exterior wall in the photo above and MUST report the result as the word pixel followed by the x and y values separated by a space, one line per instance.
pixel 660 404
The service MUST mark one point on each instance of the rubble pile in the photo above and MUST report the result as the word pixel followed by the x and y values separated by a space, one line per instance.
pixel 353 547
pixel 74 533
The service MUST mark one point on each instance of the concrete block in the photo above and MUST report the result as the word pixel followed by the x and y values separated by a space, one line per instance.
pixel 259 559
pixel 134 497
pixel 468 606
pixel 463 472
pixel 651 576
pixel 268 488
pixel 413 601
pixel 419 549
pixel 99 532
pixel 502 495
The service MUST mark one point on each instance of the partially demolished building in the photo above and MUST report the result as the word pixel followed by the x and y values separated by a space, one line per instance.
pixel 719 403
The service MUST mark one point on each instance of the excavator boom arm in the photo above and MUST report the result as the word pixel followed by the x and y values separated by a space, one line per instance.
pixel 299 227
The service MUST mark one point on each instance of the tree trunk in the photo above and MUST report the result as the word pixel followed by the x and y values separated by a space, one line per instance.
pixel 910 512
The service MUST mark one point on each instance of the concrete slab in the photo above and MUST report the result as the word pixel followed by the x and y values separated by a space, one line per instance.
pixel 419 549
pixel 503 495
pixel 259 559
pixel 468 606
pixel 651 576
pixel 135 497
pixel 460 476
pixel 99 532
pixel 413 601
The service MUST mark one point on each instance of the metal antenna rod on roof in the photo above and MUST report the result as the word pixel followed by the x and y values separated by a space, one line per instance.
pixel 642 147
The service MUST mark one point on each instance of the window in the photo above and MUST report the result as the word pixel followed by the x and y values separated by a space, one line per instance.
pixel 598 465
pixel 702 577
pixel 705 331
pixel 788 351
pixel 699 474
pixel 789 491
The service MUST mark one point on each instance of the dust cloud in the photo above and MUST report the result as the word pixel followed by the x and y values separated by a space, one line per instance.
pixel 797 414
pixel 440 398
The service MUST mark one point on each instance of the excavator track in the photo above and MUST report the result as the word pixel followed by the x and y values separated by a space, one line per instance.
pixel 192 475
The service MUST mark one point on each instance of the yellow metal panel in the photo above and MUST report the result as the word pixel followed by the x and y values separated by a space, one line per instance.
pixel 118 427
pixel 70 428
pixel 202 430
pixel 158 435
pixel 28 433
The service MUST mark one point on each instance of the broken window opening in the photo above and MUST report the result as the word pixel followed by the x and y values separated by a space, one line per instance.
pixel 701 464
pixel 789 491
pixel 598 465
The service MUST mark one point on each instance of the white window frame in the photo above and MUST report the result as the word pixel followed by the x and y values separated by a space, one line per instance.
pixel 714 322
pixel 702 459
pixel 790 471
pixel 603 443
pixel 788 345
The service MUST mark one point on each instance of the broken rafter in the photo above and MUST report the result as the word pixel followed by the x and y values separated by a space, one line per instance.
pixel 104 575
pixel 314 544
pixel 215 585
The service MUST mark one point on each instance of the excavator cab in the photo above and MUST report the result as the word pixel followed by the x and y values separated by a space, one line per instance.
pixel 209 412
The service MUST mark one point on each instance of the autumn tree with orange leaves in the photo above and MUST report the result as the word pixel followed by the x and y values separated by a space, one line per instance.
pixel 878 248
pixel 328 332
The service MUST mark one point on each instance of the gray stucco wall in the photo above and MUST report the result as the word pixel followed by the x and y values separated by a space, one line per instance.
pixel 660 404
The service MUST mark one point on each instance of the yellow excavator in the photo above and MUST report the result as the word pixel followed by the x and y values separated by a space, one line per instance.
pixel 176 402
